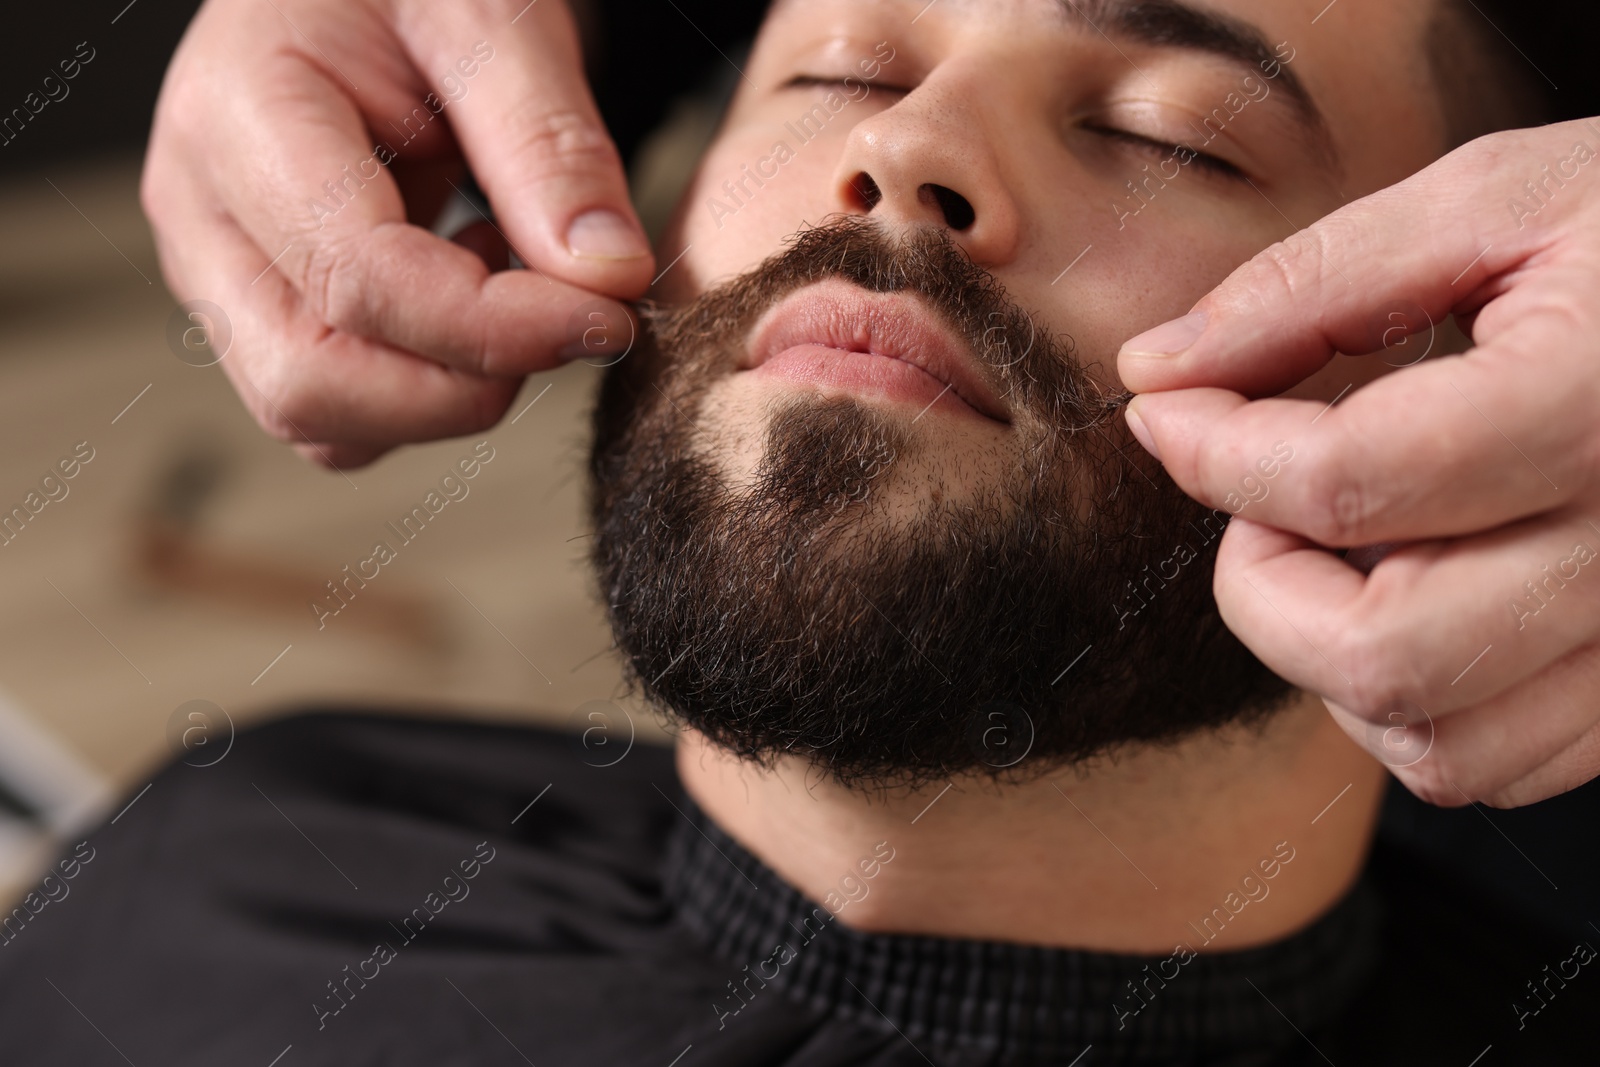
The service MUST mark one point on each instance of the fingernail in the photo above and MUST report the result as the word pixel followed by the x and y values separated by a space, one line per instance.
pixel 1170 338
pixel 605 234
pixel 1142 432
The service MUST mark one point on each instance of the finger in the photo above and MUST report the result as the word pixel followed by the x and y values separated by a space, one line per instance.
pixel 331 221
pixel 1529 738
pixel 303 383
pixel 1442 449
pixel 1445 626
pixel 1422 248
pixel 1273 623
pixel 530 128
pixel 337 386
pixel 1573 766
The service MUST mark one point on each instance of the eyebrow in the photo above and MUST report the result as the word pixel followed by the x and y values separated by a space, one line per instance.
pixel 1173 24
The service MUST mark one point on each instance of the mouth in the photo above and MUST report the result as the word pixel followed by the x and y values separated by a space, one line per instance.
pixel 838 337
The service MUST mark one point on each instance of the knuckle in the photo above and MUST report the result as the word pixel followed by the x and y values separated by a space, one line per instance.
pixel 559 143
pixel 1279 266
pixel 1293 272
pixel 183 99
pixel 1340 504
pixel 1382 679
pixel 1486 153
pixel 1345 514
pixel 276 425
pixel 1277 276
pixel 287 410
pixel 331 284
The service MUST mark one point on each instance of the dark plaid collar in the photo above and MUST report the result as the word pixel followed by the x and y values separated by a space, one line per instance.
pixel 1009 1002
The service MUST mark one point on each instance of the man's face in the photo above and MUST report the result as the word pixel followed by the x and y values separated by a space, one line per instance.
pixel 867 498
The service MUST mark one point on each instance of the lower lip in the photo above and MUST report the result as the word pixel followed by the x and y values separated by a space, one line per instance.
pixel 865 373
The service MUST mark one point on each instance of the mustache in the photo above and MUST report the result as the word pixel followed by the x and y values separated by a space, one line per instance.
pixel 1031 364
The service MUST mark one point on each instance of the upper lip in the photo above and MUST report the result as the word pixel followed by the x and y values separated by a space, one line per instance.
pixel 838 314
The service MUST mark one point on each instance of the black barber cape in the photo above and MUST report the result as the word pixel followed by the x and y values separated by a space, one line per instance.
pixel 355 890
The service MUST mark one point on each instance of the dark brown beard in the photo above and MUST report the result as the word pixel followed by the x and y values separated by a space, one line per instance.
pixel 793 617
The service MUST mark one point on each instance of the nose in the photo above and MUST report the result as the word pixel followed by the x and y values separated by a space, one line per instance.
pixel 931 159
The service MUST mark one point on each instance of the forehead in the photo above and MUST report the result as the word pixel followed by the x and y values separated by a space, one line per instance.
pixel 1366 19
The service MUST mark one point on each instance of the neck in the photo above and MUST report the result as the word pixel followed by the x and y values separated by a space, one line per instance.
pixel 1209 843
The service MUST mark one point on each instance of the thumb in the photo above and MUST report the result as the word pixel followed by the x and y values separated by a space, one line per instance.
pixel 521 109
pixel 1385 268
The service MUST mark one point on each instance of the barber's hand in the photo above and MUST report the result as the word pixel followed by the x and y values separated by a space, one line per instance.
pixel 1485 466
pixel 354 330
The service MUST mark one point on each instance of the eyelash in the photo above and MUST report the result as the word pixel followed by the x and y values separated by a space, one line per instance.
pixel 815 81
pixel 1210 164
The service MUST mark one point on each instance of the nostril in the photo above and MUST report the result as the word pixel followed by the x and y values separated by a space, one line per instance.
pixel 867 192
pixel 957 209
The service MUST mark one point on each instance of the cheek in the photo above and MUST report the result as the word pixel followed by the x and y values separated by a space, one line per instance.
pixel 743 204
pixel 1129 277
pixel 1132 280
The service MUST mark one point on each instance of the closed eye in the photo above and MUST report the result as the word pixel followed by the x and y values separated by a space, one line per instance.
pixel 1208 163
pixel 851 83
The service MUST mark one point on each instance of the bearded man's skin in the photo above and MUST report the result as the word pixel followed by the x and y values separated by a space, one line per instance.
pixel 822 634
